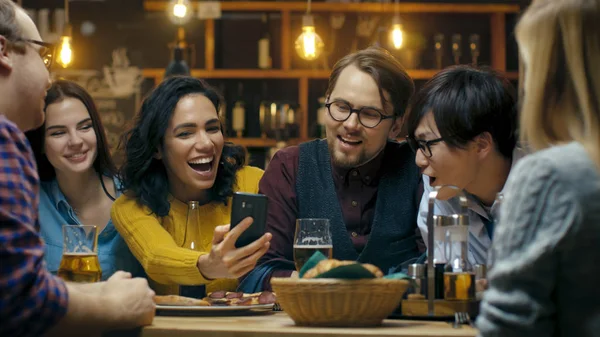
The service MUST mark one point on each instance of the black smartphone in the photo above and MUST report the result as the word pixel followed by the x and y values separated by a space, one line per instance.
pixel 249 205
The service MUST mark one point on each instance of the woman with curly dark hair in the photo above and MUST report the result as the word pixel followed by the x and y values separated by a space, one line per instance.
pixel 175 153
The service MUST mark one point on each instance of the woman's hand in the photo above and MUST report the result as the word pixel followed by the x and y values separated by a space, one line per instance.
pixel 226 261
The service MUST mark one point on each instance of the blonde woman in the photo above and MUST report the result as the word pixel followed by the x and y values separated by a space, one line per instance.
pixel 544 279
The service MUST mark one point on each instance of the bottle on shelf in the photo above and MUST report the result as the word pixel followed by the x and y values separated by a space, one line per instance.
pixel 264 44
pixel 239 112
pixel 291 125
pixel 193 240
pixel 264 112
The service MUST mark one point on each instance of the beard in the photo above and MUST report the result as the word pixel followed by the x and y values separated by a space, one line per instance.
pixel 344 160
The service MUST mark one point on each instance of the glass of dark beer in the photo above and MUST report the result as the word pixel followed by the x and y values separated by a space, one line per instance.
pixel 311 235
pixel 79 261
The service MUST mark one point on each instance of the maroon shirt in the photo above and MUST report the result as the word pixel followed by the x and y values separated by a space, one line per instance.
pixel 356 191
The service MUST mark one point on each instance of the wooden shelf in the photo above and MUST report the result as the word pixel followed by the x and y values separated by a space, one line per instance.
pixel 158 74
pixel 497 15
pixel 261 142
pixel 300 6
pixel 244 73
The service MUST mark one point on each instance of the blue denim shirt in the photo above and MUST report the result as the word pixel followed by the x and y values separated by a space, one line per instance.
pixel 55 212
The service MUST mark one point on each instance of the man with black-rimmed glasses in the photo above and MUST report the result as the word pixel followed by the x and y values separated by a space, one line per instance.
pixel 463 127
pixel 32 301
pixel 359 177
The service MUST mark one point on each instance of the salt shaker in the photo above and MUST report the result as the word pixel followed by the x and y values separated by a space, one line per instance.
pixel 417 273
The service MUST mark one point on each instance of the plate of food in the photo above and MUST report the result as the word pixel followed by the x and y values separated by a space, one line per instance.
pixel 216 303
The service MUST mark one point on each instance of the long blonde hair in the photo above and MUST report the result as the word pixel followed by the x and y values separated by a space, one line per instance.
pixel 559 42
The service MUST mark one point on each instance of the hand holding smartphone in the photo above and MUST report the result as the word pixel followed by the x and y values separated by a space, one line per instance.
pixel 249 205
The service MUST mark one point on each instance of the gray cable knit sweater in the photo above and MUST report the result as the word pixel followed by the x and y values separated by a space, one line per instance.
pixel 545 280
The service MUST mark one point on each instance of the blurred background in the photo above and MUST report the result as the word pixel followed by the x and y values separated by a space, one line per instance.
pixel 269 59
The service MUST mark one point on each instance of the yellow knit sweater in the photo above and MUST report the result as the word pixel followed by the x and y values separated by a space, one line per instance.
pixel 156 242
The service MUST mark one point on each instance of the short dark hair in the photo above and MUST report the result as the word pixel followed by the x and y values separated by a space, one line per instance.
pixel 388 73
pixel 61 89
pixel 466 102
pixel 143 176
pixel 8 20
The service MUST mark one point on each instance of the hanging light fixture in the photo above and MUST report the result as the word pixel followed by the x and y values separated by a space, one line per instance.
pixel 180 11
pixel 309 45
pixel 65 52
pixel 396 35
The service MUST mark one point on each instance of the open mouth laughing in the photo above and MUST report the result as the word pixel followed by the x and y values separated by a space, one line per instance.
pixel 202 165
pixel 348 142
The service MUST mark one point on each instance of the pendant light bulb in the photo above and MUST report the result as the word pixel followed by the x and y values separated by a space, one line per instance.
pixel 397 35
pixel 309 44
pixel 65 51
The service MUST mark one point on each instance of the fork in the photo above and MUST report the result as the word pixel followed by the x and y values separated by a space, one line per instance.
pixel 463 318
pixel 456 324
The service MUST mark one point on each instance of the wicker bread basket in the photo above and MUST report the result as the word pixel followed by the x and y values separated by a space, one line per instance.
pixel 337 302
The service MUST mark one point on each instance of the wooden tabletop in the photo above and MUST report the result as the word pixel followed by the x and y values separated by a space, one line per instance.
pixel 280 324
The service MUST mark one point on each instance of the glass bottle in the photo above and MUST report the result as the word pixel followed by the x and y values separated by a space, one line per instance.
pixel 239 112
pixel 192 241
pixel 264 56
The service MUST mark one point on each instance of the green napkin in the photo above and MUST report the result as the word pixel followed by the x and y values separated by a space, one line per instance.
pixel 350 272
pixel 312 262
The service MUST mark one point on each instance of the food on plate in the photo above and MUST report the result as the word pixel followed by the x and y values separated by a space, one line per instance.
pixel 218 298
pixel 179 301
pixel 327 265
pixel 223 298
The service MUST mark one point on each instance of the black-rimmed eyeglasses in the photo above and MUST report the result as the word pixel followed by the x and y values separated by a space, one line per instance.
pixel 423 145
pixel 46 51
pixel 368 117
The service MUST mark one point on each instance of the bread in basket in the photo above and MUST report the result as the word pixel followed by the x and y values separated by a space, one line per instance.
pixel 316 301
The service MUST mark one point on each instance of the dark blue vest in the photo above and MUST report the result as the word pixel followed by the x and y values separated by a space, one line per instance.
pixel 392 241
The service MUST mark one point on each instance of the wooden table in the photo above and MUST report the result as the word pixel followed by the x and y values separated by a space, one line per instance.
pixel 280 324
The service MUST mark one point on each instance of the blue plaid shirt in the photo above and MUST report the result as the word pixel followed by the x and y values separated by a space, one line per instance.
pixel 31 299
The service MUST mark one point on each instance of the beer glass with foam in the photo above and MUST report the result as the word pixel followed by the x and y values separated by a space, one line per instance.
pixel 79 261
pixel 311 235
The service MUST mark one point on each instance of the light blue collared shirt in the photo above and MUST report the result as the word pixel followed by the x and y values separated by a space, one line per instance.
pixel 55 212
pixel 479 238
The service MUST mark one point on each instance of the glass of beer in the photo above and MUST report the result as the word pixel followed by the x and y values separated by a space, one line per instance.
pixel 79 261
pixel 311 235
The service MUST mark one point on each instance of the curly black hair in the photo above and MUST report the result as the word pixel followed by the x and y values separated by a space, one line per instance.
pixel 145 177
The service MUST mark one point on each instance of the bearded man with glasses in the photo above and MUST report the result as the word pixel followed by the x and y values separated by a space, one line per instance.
pixel 359 177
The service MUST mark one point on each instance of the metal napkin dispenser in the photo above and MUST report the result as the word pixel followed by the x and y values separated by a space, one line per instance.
pixel 447 240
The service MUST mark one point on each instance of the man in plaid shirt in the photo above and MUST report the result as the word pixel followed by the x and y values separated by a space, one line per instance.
pixel 32 301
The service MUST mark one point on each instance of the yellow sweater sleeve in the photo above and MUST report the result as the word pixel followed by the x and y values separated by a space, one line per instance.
pixel 248 178
pixel 153 246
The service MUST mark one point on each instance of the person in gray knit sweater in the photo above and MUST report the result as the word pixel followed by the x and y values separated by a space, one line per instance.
pixel 544 279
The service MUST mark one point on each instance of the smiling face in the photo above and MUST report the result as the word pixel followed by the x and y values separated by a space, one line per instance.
pixel 70 142
pixel 350 143
pixel 447 165
pixel 192 148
